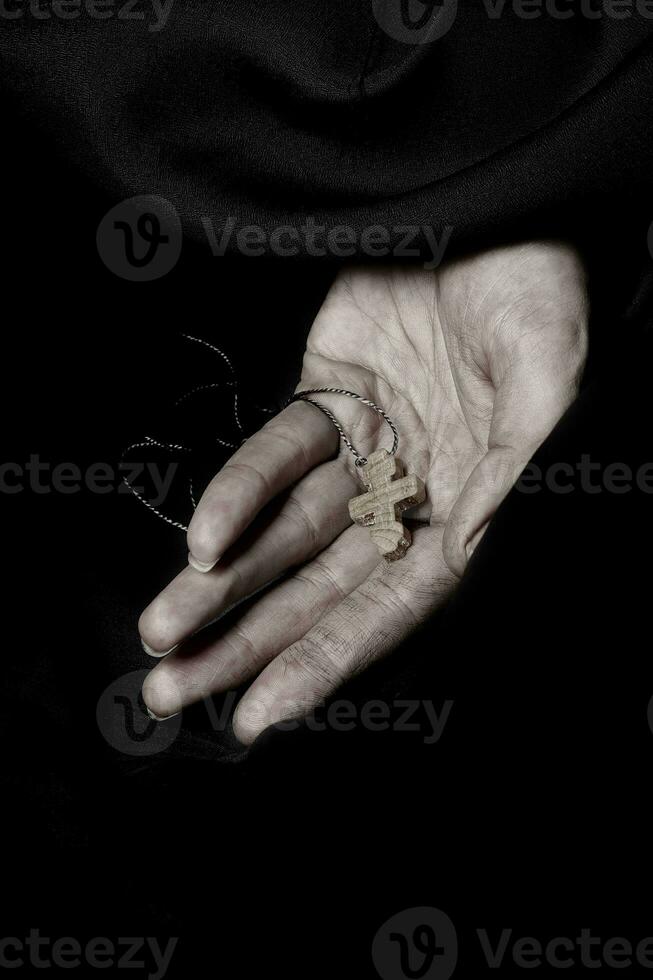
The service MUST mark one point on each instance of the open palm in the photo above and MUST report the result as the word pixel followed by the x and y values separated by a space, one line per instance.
pixel 474 363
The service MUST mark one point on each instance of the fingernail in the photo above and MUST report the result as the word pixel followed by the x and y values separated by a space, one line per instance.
pixel 157 653
pixel 201 566
pixel 158 717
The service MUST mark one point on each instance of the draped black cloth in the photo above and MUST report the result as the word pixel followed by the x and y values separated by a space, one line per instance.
pixel 272 112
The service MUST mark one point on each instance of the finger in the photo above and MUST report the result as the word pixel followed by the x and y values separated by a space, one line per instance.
pixel 370 622
pixel 311 516
pixel 487 486
pixel 534 388
pixel 278 619
pixel 286 448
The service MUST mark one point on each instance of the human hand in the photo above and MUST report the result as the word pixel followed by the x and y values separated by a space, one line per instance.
pixel 475 363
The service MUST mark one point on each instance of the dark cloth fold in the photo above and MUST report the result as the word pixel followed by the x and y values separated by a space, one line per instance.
pixel 271 111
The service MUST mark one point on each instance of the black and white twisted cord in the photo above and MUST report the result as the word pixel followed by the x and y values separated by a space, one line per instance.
pixel 150 442
pixel 360 459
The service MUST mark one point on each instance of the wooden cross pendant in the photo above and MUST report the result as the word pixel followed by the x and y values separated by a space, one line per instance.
pixel 389 493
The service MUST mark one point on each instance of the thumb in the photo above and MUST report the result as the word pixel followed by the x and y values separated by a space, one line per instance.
pixel 536 379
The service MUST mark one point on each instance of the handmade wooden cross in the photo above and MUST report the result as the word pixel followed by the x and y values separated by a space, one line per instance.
pixel 389 493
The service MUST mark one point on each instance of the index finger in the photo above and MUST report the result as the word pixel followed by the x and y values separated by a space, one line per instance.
pixel 286 448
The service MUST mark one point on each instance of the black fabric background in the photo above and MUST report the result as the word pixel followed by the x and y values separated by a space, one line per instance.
pixel 533 811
